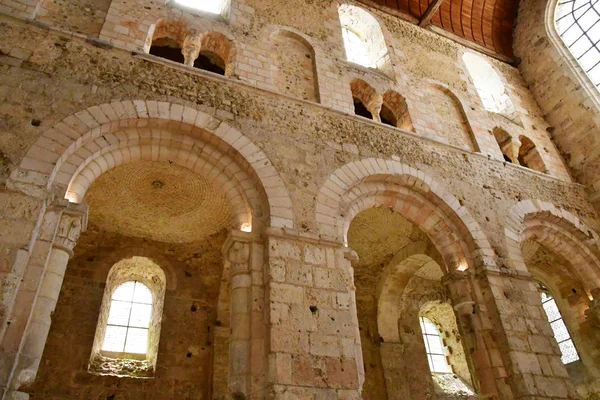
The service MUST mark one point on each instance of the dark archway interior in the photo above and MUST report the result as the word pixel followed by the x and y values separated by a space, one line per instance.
pixel 167 48
pixel 209 61
pixel 360 109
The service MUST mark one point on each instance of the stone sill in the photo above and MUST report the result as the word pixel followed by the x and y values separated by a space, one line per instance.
pixel 231 81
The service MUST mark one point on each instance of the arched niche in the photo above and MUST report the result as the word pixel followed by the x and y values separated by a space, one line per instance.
pixel 295 65
pixel 167 39
pixel 363 96
pixel 447 119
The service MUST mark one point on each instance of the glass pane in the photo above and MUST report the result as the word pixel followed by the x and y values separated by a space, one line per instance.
pixel 119 313
pixel 428 327
pixel 124 292
pixel 560 330
pixel 551 310
pixel 588 19
pixel 114 338
pixel 142 294
pixel 589 59
pixel 137 341
pixel 571 35
pixel 439 364
pixel 435 344
pixel 580 46
pixel 140 315
pixel 569 353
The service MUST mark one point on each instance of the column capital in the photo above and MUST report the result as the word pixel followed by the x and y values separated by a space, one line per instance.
pixel 458 286
pixel 73 222
pixel 191 48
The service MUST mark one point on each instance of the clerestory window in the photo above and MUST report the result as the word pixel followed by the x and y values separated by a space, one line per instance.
pixel 434 347
pixel 208 6
pixel 356 48
pixel 578 25
pixel 561 334
pixel 128 319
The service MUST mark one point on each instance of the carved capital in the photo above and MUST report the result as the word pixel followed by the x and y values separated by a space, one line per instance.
pixel 73 222
pixel 458 288
pixel 191 48
pixel 374 106
pixel 236 251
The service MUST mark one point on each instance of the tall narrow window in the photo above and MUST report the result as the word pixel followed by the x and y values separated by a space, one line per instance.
pixel 561 334
pixel 434 347
pixel 128 319
pixel 578 24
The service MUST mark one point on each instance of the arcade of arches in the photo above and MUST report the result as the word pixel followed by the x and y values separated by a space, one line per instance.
pixel 257 199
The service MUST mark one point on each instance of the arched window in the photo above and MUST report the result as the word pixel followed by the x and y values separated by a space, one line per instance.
pixel 208 6
pixel 434 347
pixel 362 96
pixel 577 23
pixel 489 87
pixel 363 39
pixel 128 331
pixel 561 334
pixel 529 156
pixel 128 319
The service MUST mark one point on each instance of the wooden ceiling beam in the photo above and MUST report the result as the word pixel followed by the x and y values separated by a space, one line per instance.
pixel 431 9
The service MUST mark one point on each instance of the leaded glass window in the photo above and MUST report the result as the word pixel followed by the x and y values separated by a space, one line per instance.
pixel 128 319
pixel 577 23
pixel 434 347
pixel 561 334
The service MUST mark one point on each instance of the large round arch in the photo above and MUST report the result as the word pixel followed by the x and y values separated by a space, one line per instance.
pixel 67 158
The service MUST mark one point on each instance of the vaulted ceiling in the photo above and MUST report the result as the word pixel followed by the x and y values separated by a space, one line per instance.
pixel 487 23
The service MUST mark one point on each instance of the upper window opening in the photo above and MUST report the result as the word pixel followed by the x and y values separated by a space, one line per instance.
pixel 208 6
pixel 210 61
pixel 529 156
pixel 167 48
pixel 490 88
pixel 577 23
pixel 128 319
pixel 434 347
pixel 356 48
pixel 561 334
pixel 363 39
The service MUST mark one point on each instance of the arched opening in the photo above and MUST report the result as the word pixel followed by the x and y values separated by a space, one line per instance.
pixel 362 96
pixel 151 188
pixel 216 54
pixel 295 62
pixel 363 38
pixel 167 48
pixel 167 40
pixel 394 111
pixel 398 282
pixel 209 61
pixel 529 155
pixel 506 144
pixel 490 88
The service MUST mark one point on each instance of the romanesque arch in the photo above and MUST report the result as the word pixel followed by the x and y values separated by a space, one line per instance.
pixel 67 158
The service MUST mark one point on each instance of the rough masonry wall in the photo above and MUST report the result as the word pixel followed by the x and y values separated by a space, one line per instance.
pixel 185 354
pixel 569 108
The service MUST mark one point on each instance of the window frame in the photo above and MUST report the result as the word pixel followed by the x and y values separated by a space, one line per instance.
pixel 423 321
pixel 224 14
pixel 544 291
pixel 124 353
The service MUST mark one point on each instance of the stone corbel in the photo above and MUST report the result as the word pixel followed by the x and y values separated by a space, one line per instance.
pixel 191 48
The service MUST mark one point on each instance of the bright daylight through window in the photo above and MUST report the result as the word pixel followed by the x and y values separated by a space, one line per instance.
pixel 567 348
pixel 434 347
pixel 128 319
pixel 356 48
pixel 209 6
pixel 577 23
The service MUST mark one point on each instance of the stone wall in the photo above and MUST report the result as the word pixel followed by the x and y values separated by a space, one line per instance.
pixel 294 317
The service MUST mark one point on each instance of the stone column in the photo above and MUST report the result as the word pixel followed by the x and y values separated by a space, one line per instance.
pixel 191 48
pixel 374 106
pixel 243 252
pixel 511 149
pixel 469 320
pixel 72 223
